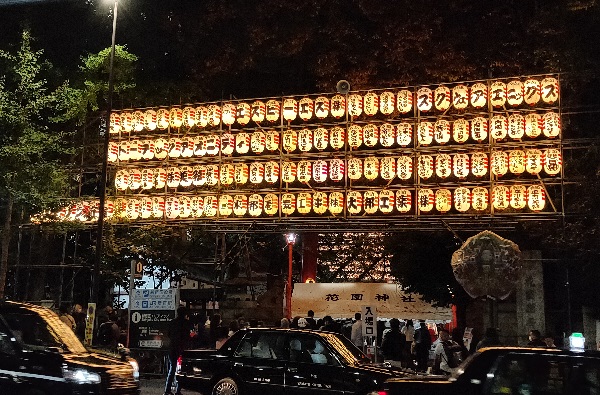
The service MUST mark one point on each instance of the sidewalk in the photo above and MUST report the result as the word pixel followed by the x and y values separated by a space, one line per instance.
pixel 156 386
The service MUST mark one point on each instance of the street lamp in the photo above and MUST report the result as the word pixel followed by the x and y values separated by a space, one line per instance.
pixel 291 240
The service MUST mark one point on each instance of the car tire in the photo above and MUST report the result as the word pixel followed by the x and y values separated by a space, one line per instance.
pixel 226 386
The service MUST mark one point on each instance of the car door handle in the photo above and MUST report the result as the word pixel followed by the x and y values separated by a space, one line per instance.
pixel 292 369
pixel 238 364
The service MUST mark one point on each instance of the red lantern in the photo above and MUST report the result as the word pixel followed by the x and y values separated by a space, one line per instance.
pixel 290 140
pixel 371 105
pixel 127 122
pixel 201 116
pixel 498 127
pixel 460 165
pixel 304 202
pixel 534 161
pixel 321 138
pixel 424 99
pixel 242 143
pixel 551 122
pixel 243 113
pixel 271 172
pixel 441 97
pixel 499 163
pixel 425 166
pixel 150 119
pixel 443 200
pixel 355 202
pixel 500 197
pixel 272 140
pixel 425 199
pixel 425 133
pixel 462 199
pixel 336 169
pixel 355 105
pixel 514 93
pixel 443 165
pixel 273 110
pixel 225 205
pixel 337 137
pixel 479 164
pixel 479 198
pixel 403 200
pixel 213 144
pixel 176 117
pixel 386 103
pixel 404 134
pixel 306 108
pixel 290 109
pixel 338 106
pixel 355 136
pixel 322 107
pixel 549 90
pixel 174 148
pixel 187 176
pixel 371 135
pixel 479 129
pixel 479 95
pixel 240 173
pixel 199 175
pixel 442 131
pixel 371 168
pixel 212 175
pixel 355 168
pixel 533 125
pixel 460 130
pixel 288 172
pixel 257 142
pixel 532 90
pixel 214 115
pixel 336 203
pixel 516 126
pixel 115 123
pixel 552 161
pixel 199 145
pixel 516 161
pixel 304 171
pixel 518 196
pixel 387 135
pixel 228 115
pixel 387 201
pixel 226 174
pixel 240 205
pixel 388 168
pixel 404 168
pixel 162 118
pixel 460 97
pixel 258 111
pixel 288 203
pixel 320 171
pixel 371 202
pixel 173 177
pixel 498 94
pixel 138 121
pixel 536 198
pixel 271 204
pixel 404 100
pixel 189 116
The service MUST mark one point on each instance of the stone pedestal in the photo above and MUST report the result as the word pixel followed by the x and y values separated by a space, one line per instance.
pixel 530 296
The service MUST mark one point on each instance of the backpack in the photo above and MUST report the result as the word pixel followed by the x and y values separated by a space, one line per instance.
pixel 454 354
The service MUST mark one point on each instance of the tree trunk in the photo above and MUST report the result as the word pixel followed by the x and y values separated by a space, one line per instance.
pixel 4 244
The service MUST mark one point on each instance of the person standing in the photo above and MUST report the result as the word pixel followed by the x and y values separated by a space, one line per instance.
pixel 535 339
pixel 179 337
pixel 408 331
pixel 392 345
pixel 422 346
pixel 356 335
pixel 66 317
pixel 311 320
pixel 442 363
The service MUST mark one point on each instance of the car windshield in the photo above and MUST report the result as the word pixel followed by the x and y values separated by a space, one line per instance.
pixel 349 352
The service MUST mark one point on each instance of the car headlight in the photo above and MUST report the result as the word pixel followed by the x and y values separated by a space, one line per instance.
pixel 80 375
pixel 136 369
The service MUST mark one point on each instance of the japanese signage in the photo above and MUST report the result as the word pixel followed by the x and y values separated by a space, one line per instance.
pixel 155 299
pixel 149 328
pixel 89 324
pixel 369 321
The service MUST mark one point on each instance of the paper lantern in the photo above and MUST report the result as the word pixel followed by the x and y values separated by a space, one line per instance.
pixel 443 200
pixel 257 142
pixel 213 144
pixel 355 105
pixel 138 121
pixel 122 180
pixel 126 122
pixel 337 135
pixel 460 165
pixel 288 203
pixel 462 199
pixel 320 202
pixel 321 138
pixel 109 210
pixel 479 129
pixel 146 207
pixel 148 176
pixel 355 168
pixel 371 202
pixel 516 161
pixel 355 136
pixel 185 206
pixel 226 174
pixel 306 108
pixel 135 179
pixel 150 119
pixel 272 140
pixel 211 206
pixel 500 197
pixel 271 172
pixel 425 200
pixel 386 103
pixel 290 109
pixel 479 164
pixel 240 205
pixel 257 172
pixel 322 107
pixel 404 168
pixel 479 95
pixel 304 203
pixel 518 196
pixel 113 151
pixel 536 198
pixel 425 166
pixel 387 135
pixel 225 205
pixel 242 144
pixel 479 198
pixel 498 127
pixel 124 151
pixel 336 203
pixel 172 207
pixel 425 133
pixel 121 208
pixel 532 91
pixel 499 163
pixel 336 169
pixel 160 178
pixel 442 131
pixel 403 200
pixel 158 207
pixel 186 176
pixel 534 161
pixel 115 123
pixel 146 149
pixel 174 148
pixel 549 90
pixel 273 108
pixel 199 178
pixel 514 93
pixel 187 147
pixel 386 201
pixel 258 111
pixel 320 171
pixel 212 175
pixel 338 106
pixel 305 140
pixel 424 99
pixel 516 126
pixel 243 113
pixel 199 145
pixel 197 206
pixel 551 124
pixel 290 140
pixel 443 165
pixel 388 168
pixel 288 172
pixel 176 117
pixel 135 150
pixel 271 204
pixel 404 100
pixel 552 160
pixel 214 115
pixel 228 114
pixel 371 135
pixel 533 125
pixel 241 173
pixel 371 168
pixel 189 116
pixel 162 118
pixel 404 135
pixel 173 177
pixel 460 130
pixel 460 97
pixel 201 117
pixel 441 98
pixel 354 203
pixel 371 103
pixel 498 94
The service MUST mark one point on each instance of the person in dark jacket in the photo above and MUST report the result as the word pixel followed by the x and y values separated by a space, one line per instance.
pixel 535 339
pixel 392 345
pixel 422 346
pixel 179 337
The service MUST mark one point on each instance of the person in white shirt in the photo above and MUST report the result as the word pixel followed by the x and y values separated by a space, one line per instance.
pixel 440 357
pixel 408 330
pixel 356 336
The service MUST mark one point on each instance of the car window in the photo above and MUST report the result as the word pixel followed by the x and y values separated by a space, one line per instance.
pixel 262 345
pixel 585 377
pixel 310 349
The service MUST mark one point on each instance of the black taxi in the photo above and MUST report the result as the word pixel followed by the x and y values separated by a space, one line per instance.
pixel 40 355
pixel 273 361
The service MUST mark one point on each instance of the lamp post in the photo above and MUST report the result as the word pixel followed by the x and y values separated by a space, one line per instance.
pixel 291 240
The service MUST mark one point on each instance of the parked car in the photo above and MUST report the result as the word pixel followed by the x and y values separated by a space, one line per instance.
pixel 273 361
pixel 510 370
pixel 40 355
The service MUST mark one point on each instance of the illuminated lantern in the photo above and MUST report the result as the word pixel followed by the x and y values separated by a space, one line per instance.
pixel 320 202
pixel 127 122
pixel 122 180
pixel 388 168
pixel 110 209
pixel 404 168
pixel 460 165
pixel 462 199
pixel 187 147
pixel 150 119
pixel 549 90
pixel 161 148
pixel 214 116
pixel 551 124
pixel 148 176
pixel 242 144
pixel 337 137
pixel 500 197
pixel 304 202
pixel 124 151
pixel 371 135
pixel 479 164
pixel 176 117
pixel 228 115
pixel 225 205
pixel 479 95
pixel 189 116
pixel 479 129
pixel 272 140
pixel 514 93
pixel 240 205
pixel 338 106
pixel 518 196
pixel 158 207
pixel 386 103
pixel 498 94
pixel 355 136
pixel 403 200
pixel 160 178
pixel 355 105
pixel 146 207
pixel 533 125
pixel 336 169
pixel 516 161
pixel 187 176
pixel 460 130
pixel 460 97
pixel 197 206
pixel 288 172
pixel 135 179
pixel 354 203
pixel 425 199
pixel 226 174
pixel 121 208
pixel 443 165
pixel 174 147
pixel 212 175
pixel 443 200
pixel 442 131
pixel 185 207
pixel 290 109
pixel 199 175
pixel 321 107
pixel 138 121
pixel 146 149
pixel 201 116
pixel 199 145
pixel 304 171
pixel 424 99
pixel 271 204
pixel 534 161
pixel 371 202
pixel 273 109
pixel 305 140
pixel 213 143
pixel 288 203
pixel 387 135
pixel 290 140
pixel 135 150
pixel 321 138
pixel 425 166
pixel 355 168
pixel 162 118
pixel 113 151
pixel 371 168
pixel 404 135
pixel 173 177
pixel 441 98
pixel 211 205
pixel 371 105
pixel 258 111
pixel 532 91
pixel 479 198
pixel 516 126
pixel 320 171
pixel 386 201
pixel 536 198
pixel 306 108
pixel 241 173
pixel 404 100
pixel 115 123
pixel 172 207
pixel 257 172
pixel 271 172
pixel 425 133
pixel 499 163
pixel 498 127
pixel 552 161
pixel 243 113
pixel 257 142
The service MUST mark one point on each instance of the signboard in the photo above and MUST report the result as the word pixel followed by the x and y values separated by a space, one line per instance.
pixel 155 299
pixel 151 312
pixel 369 321
pixel 89 324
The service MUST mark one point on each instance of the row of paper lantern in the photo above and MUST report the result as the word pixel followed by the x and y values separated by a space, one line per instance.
pixel 441 132
pixel 514 93
pixel 532 161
